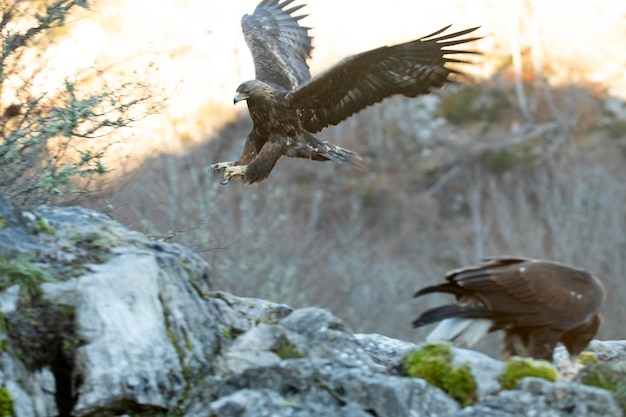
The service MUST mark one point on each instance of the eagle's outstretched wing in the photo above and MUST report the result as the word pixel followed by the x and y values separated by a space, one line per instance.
pixel 410 68
pixel 279 45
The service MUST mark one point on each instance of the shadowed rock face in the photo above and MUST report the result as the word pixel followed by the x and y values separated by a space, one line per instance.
pixel 99 320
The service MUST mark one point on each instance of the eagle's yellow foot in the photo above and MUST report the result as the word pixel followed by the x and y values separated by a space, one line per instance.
pixel 232 172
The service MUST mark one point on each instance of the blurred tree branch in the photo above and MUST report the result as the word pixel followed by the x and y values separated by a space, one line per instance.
pixel 50 140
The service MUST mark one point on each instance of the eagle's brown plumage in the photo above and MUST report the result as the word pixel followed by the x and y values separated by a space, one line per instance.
pixel 287 105
pixel 536 303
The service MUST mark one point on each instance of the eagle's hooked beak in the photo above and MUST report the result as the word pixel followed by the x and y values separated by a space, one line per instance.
pixel 239 96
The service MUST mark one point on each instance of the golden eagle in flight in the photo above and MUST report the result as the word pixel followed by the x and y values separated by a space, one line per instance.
pixel 287 106
pixel 536 303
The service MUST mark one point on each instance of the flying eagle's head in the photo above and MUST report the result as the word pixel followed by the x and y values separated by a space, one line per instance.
pixel 253 89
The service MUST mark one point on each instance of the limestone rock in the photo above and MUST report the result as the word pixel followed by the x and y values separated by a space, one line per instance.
pixel 384 350
pixel 389 352
pixel 242 314
pixel 309 363
pixel 343 387
pixel 117 322
pixel 538 397
pixel 98 320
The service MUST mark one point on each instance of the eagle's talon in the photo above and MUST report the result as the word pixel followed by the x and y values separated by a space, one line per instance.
pixel 219 167
pixel 231 171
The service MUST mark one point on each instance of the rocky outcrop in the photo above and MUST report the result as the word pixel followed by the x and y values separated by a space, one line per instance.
pixel 538 397
pixel 98 320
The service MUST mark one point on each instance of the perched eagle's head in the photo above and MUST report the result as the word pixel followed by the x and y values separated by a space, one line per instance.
pixel 253 89
pixel 577 339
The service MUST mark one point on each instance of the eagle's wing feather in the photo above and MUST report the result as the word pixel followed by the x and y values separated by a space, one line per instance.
pixel 537 304
pixel 410 68
pixel 525 292
pixel 278 44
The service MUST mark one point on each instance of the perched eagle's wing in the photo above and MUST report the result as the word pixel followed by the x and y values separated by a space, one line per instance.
pixel 279 45
pixel 536 303
pixel 411 69
pixel 522 292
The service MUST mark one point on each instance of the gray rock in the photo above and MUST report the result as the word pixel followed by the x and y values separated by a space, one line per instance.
pixel 257 403
pixel 9 299
pixel 124 321
pixel 112 323
pixel 538 397
pixel 307 332
pixel 389 353
pixel 336 383
pixel 241 314
pixel 33 393
pixel 12 236
pixel 608 375
pixel 324 335
pixel 485 370
pixel 126 355
pixel 384 350
pixel 608 350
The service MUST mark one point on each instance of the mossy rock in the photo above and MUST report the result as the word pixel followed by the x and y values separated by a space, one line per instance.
pixel 6 403
pixel 225 331
pixel 42 333
pixel 587 358
pixel 434 363
pixel 608 376
pixel 43 226
pixel 518 368
pixel 284 349
pixel 22 272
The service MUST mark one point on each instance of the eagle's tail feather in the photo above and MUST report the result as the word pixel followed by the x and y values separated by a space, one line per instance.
pixel 341 155
pixel 325 149
pixel 466 331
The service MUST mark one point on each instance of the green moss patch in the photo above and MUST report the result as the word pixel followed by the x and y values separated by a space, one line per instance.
pixel 433 362
pixel 42 226
pixel 6 403
pixel 518 368
pixel 21 272
pixel 284 349
pixel 587 358
pixel 225 331
pixel 611 377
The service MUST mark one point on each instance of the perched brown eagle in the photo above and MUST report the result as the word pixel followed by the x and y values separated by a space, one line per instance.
pixel 287 105
pixel 536 303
